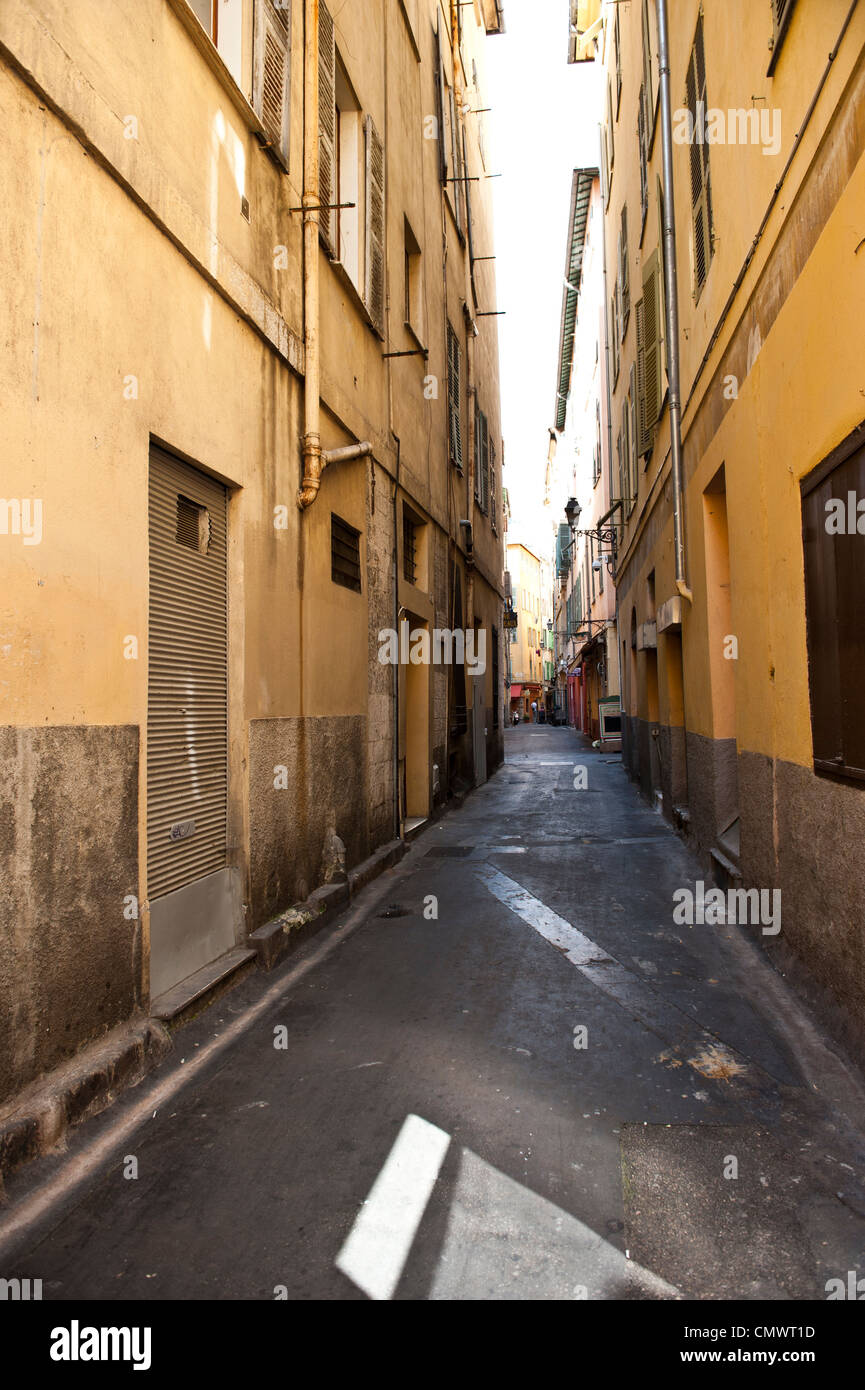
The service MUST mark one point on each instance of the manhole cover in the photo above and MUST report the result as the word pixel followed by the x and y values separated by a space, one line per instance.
pixel 394 910
pixel 449 851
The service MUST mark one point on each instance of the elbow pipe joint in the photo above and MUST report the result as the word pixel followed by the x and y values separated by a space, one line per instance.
pixel 316 459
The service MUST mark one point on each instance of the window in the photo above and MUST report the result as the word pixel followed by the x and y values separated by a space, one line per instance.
pixel 643 144
pixel 271 83
pixel 455 399
pixel 347 147
pixel 624 275
pixel 409 546
pixel 374 295
pixel 596 459
pixel 494 505
pixel 344 553
pixel 328 181
pixel 450 153
pixel 611 140
pixel 701 192
pixel 781 12
pixel 633 456
pixel 222 21
pixel 351 178
pixel 835 608
pixel 649 384
pixel 626 457
pixel 614 332
pixel 482 460
pixel 648 92
pixel 497 694
pixel 414 317
pixel 618 40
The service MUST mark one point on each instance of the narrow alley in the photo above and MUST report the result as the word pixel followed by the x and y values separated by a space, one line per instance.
pixel 408 1108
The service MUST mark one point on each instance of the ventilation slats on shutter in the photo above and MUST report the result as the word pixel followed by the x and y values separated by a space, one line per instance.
pixel 272 74
pixel 440 104
pixel 328 194
pixel 455 398
pixel 652 334
pixel 375 266
pixel 187 741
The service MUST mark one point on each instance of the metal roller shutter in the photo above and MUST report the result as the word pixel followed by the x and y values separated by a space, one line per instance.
pixel 187 712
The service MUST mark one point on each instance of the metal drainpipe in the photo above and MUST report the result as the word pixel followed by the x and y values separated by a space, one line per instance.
pixel 310 201
pixel 471 389
pixel 672 300
pixel 314 459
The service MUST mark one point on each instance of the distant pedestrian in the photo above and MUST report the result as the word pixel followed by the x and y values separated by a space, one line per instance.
pixel 534 711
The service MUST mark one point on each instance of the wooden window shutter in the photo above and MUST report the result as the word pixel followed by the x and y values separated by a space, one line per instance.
pixel 632 432
pixel 440 104
pixel 626 274
pixel 478 449
pixel 610 124
pixel 605 170
pixel 375 267
pixel 644 433
pixel 621 478
pixel 271 83
pixel 454 399
pixel 456 162
pixel 485 474
pixel 494 492
pixel 781 12
pixel 662 282
pixel 328 192
pixel 835 613
pixel 648 78
pixel 652 338
pixel 701 196
pixel 627 490
pixel 642 144
pixel 469 227
pixel 618 38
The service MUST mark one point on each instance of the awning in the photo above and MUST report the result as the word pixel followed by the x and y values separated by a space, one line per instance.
pixel 516 692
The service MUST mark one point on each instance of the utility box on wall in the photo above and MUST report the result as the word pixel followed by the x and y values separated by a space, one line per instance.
pixel 610 715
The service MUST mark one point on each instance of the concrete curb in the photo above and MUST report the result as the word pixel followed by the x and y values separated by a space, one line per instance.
pixel 35 1121
pixel 281 936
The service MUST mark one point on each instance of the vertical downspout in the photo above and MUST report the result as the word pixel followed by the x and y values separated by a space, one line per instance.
pixel 397 817
pixel 310 201
pixel 470 346
pixel 672 299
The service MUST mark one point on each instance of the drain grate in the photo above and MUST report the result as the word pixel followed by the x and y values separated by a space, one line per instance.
pixel 449 852
pixel 394 910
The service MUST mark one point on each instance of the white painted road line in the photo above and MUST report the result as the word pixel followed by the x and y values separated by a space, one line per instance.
pixel 377 1247
pixel 579 949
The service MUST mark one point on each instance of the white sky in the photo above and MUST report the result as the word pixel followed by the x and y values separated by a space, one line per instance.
pixel 543 125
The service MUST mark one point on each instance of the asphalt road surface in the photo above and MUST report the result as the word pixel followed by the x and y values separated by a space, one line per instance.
pixel 504 1073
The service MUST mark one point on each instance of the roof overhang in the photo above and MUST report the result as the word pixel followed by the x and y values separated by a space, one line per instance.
pixel 581 193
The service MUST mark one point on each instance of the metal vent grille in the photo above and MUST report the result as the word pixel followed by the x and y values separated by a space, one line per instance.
pixel 187 724
pixel 193 525
pixel 344 553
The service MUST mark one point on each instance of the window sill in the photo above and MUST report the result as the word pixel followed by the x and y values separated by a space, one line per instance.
pixel 210 53
pixel 354 294
pixel 416 338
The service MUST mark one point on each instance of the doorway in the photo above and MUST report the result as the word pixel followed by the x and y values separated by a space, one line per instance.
pixel 194 897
